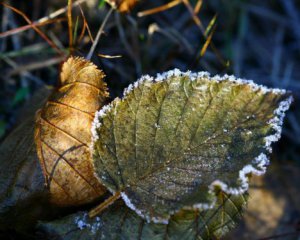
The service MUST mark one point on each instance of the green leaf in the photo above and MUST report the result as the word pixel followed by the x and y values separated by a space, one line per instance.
pixel 119 222
pixel 171 140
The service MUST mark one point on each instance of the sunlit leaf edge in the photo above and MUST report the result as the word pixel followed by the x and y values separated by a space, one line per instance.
pixel 256 167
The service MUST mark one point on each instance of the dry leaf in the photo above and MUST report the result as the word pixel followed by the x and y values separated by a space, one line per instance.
pixel 63 135
pixel 122 5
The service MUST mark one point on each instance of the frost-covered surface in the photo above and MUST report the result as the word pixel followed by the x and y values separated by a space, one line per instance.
pixel 84 222
pixel 261 162
pixel 257 166
pixel 140 213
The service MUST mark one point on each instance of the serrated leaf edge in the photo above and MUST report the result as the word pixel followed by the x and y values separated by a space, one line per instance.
pixel 261 161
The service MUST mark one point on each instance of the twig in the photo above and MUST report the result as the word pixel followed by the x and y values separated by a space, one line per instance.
pixel 34 27
pixel 70 26
pixel 43 20
pixel 29 26
pixel 85 27
pixel 97 210
pixel 198 6
pixel 109 56
pixel 91 52
pixel 160 8
pixel 37 65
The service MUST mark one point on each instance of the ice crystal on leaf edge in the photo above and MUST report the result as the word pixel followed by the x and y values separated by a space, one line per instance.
pixel 261 161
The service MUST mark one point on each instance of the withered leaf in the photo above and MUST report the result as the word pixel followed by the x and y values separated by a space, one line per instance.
pixel 123 5
pixel 119 222
pixel 63 134
pixel 171 140
pixel 23 197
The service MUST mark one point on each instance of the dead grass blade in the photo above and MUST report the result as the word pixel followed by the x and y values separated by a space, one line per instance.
pixel 85 27
pixel 198 6
pixel 207 42
pixel 29 26
pixel 34 66
pixel 160 8
pixel 100 31
pixel 109 56
pixel 51 43
pixel 70 26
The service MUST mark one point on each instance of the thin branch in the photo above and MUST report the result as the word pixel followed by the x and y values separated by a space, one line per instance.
pixel 52 44
pixel 100 31
pixel 160 8
pixel 43 20
pixel 29 26
pixel 34 66
pixel 97 210
pixel 70 26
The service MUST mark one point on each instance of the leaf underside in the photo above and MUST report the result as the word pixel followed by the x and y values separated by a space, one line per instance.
pixel 119 222
pixel 166 142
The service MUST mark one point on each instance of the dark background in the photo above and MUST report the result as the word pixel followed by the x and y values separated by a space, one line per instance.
pixel 257 40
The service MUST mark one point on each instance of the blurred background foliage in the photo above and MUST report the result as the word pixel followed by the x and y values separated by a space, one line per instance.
pixel 252 39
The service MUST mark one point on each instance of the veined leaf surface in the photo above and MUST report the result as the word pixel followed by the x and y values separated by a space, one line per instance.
pixel 119 222
pixel 63 133
pixel 171 140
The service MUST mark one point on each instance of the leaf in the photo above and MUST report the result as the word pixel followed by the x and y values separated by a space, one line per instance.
pixel 23 197
pixel 171 140
pixel 63 134
pixel 122 5
pixel 119 222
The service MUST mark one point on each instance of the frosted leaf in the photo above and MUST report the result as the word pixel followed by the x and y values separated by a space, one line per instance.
pixel 82 221
pixel 172 141
pixel 119 222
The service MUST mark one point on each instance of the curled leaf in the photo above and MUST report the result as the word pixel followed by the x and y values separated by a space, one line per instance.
pixel 63 134
pixel 123 5
pixel 119 222
pixel 173 139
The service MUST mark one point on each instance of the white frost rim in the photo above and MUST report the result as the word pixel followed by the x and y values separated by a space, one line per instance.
pixel 260 161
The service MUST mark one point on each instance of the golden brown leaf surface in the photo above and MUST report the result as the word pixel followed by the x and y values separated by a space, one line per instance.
pixel 63 133
pixel 123 5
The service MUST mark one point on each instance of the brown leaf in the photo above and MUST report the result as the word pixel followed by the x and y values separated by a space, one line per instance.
pixel 63 134
pixel 123 5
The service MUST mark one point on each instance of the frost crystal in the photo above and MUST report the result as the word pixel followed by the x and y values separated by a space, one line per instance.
pixel 257 166
pixel 140 213
pixel 277 122
pixel 83 223
pixel 96 124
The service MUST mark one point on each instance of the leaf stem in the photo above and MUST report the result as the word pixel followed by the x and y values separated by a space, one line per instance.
pixel 97 210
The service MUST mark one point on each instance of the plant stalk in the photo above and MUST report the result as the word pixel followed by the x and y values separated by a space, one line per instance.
pixel 97 210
